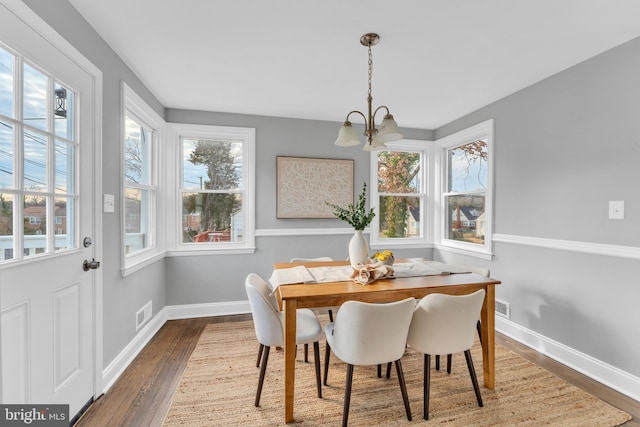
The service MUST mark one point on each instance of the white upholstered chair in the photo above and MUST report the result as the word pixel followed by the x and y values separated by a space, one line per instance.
pixel 268 323
pixel 369 334
pixel 445 324
pixel 482 271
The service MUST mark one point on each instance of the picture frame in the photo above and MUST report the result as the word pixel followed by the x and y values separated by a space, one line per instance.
pixel 304 184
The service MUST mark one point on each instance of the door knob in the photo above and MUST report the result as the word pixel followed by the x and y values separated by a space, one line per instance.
pixel 90 265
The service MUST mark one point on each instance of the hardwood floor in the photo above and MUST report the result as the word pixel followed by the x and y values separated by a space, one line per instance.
pixel 142 395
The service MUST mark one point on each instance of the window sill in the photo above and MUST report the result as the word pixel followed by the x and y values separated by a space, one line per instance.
pixel 198 251
pixel 132 267
pixel 480 253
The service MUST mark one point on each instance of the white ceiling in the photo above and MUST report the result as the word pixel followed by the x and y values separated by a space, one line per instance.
pixel 437 60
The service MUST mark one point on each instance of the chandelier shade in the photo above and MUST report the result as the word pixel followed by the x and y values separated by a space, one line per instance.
pixel 375 137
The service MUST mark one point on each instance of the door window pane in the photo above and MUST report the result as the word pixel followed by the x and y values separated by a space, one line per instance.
pixel 6 155
pixel 35 161
pixel 7 64
pixel 63 233
pixel 34 98
pixel 35 225
pixel 64 167
pixel 63 108
pixel 6 226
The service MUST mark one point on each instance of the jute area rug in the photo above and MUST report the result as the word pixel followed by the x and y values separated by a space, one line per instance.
pixel 219 385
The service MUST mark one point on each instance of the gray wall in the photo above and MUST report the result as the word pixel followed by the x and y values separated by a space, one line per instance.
pixel 563 148
pixel 122 296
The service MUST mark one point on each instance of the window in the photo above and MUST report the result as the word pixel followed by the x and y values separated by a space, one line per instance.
pixel 400 195
pixel 216 198
pixel 142 129
pixel 465 217
pixel 38 159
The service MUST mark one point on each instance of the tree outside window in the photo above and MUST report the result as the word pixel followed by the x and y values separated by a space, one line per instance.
pixel 399 192
pixel 212 198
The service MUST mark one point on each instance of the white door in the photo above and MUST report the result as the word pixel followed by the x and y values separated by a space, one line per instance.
pixel 46 188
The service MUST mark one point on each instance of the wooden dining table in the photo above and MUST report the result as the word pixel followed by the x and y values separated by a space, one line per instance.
pixel 295 296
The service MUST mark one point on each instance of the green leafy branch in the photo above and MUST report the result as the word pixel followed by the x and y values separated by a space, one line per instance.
pixel 356 215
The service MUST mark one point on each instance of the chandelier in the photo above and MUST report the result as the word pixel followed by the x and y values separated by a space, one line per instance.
pixel 376 137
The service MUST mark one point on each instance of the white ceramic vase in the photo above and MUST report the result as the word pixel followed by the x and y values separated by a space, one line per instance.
pixel 358 249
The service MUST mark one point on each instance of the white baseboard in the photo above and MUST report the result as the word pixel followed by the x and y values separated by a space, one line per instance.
pixel 113 371
pixel 608 375
pixel 189 311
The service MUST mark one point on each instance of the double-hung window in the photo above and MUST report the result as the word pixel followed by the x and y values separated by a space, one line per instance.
pixel 141 133
pixel 466 189
pixel 399 195
pixel 216 188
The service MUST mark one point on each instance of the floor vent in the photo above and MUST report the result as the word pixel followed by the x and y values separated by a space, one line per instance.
pixel 143 315
pixel 502 309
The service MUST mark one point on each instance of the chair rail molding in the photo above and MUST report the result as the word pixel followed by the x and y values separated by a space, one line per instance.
pixel 571 245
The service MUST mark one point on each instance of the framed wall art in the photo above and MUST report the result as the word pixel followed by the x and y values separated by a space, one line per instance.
pixel 304 184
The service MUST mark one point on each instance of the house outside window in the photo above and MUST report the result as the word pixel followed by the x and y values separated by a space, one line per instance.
pixel 141 132
pixel 216 188
pixel 400 196
pixel 466 189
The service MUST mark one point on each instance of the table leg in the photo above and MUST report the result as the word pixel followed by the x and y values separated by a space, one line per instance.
pixel 487 318
pixel 290 307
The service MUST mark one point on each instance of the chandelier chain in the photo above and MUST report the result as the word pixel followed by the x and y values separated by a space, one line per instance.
pixel 370 69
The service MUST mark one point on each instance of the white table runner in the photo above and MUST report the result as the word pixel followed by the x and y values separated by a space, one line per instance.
pixel 318 275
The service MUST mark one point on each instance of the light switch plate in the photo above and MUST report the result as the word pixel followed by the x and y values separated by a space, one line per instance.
pixel 616 209
pixel 109 203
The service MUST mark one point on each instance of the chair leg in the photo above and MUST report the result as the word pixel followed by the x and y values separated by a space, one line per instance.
pixel 403 387
pixel 427 385
pixel 388 370
pixel 331 315
pixel 479 328
pixel 306 353
pixel 474 379
pixel 316 356
pixel 263 369
pixel 449 363
pixel 437 362
pixel 259 355
pixel 327 354
pixel 379 370
pixel 347 395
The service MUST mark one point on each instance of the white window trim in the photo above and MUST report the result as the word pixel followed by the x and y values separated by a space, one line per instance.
pixel 134 105
pixel 426 170
pixel 174 162
pixel 479 131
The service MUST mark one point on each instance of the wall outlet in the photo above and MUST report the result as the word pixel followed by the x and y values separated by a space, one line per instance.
pixel 616 209
pixel 143 315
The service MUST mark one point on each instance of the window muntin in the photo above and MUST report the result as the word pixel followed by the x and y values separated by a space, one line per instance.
pixel 37 181
pixel 139 191
pixel 212 191
pixel 400 194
